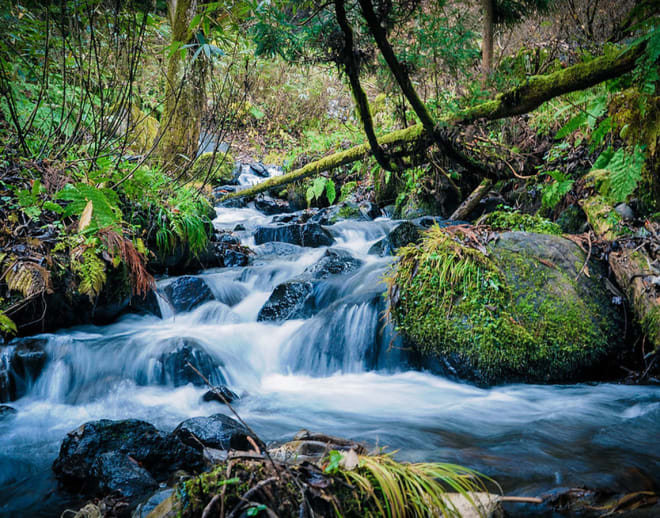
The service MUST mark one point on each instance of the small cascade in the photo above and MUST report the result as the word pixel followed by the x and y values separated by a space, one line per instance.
pixel 336 366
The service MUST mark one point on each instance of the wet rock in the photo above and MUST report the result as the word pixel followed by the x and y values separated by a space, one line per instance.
pixel 114 471
pixel 145 305
pixel 259 169
pixel 20 367
pixel 402 235
pixel 144 509
pixel 227 238
pixel 310 235
pixel 173 368
pixel 7 411
pixel 271 206
pixel 233 257
pixel 333 262
pixel 239 228
pixel 227 394
pixel 286 218
pixel 232 203
pixel 278 248
pixel 217 431
pixel 287 301
pixel 187 292
pixel 157 452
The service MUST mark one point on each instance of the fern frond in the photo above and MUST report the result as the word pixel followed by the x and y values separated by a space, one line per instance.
pixel 91 272
pixel 105 204
pixel 28 278
pixel 624 172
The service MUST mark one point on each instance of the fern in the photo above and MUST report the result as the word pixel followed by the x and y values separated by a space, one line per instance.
pixel 623 172
pixel 105 202
pixel 7 325
pixel 555 191
pixel 28 278
pixel 91 272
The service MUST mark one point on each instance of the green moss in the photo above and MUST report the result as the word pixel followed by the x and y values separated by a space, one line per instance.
pixel 501 317
pixel 220 165
pixel 505 220
pixel 651 325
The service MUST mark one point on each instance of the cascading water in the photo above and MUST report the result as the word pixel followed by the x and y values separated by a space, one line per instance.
pixel 340 370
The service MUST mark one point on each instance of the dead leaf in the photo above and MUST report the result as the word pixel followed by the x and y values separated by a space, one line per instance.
pixel 86 216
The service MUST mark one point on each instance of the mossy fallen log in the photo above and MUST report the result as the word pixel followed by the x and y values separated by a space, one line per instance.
pixel 521 99
pixel 631 268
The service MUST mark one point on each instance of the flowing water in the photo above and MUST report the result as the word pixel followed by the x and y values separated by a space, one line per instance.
pixel 339 372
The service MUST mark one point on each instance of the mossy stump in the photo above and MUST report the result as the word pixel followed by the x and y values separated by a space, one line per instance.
pixel 526 307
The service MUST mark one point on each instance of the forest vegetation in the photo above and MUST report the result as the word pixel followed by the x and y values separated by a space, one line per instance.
pixel 522 134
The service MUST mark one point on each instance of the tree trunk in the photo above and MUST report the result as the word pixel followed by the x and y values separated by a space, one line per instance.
pixel 185 92
pixel 488 7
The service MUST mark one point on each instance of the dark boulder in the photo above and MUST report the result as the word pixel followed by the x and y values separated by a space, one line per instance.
pixel 287 301
pixel 187 292
pixel 271 206
pixel 173 368
pixel 259 169
pixel 114 471
pixel 217 431
pixel 145 304
pixel 402 235
pixel 27 362
pixel 212 395
pixel 310 235
pixel 158 452
pixel 333 262
pixel 235 257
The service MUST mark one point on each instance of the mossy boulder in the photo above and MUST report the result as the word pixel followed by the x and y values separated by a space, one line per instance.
pixel 139 128
pixel 218 167
pixel 506 220
pixel 518 309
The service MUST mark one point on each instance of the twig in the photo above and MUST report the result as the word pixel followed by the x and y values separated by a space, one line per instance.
pixel 521 499
pixel 248 494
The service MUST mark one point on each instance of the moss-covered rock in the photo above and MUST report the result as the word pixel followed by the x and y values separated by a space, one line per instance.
pixel 139 129
pixel 218 167
pixel 524 311
pixel 506 220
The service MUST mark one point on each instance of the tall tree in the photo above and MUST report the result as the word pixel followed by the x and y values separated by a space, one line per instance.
pixel 185 89
pixel 503 12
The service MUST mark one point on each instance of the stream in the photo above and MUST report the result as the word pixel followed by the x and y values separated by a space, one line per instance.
pixel 338 372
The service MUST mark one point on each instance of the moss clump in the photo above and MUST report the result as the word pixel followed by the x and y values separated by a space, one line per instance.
pixel 505 316
pixel 280 488
pixel 505 220
pixel 220 166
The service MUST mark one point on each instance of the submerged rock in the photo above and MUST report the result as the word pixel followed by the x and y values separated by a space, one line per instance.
pixel 20 367
pixel 310 235
pixel 217 431
pixel 187 292
pixel 173 368
pixel 333 262
pixel 7 411
pixel 524 312
pixel 287 301
pixel 78 466
pixel 227 394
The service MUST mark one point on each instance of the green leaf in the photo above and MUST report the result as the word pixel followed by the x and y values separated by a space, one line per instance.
pixel 555 191
pixel 254 511
pixel 330 191
pixel 624 172
pixel 318 187
pixel 572 125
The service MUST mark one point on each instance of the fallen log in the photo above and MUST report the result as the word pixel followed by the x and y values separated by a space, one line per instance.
pixel 472 201
pixel 631 268
pixel 519 100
